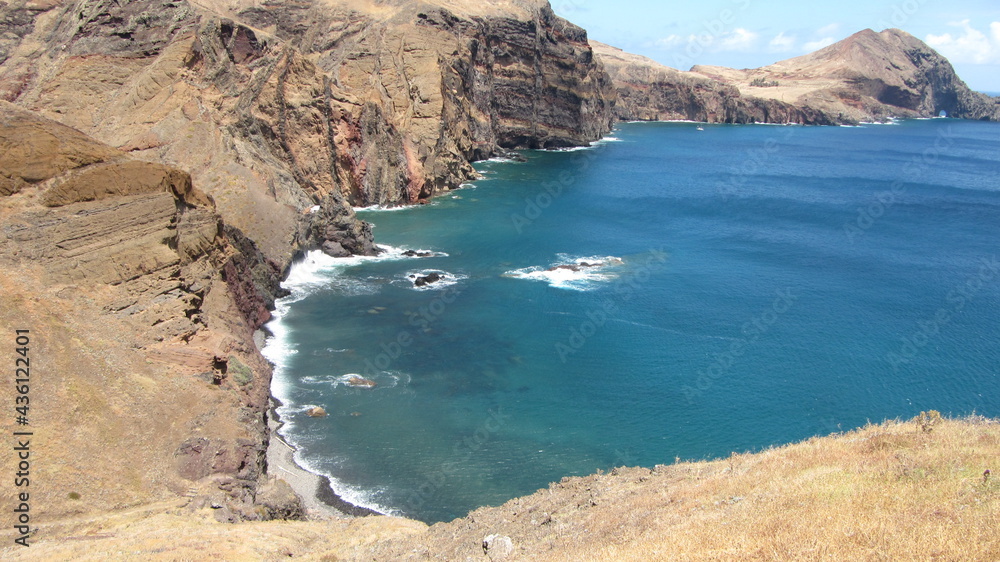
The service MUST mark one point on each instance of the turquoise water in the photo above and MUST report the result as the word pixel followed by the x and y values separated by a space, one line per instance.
pixel 754 285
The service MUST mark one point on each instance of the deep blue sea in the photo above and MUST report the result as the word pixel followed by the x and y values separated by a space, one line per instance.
pixel 722 290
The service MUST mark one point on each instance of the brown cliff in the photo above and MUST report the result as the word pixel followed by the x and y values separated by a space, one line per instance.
pixel 275 108
pixel 145 290
pixel 113 265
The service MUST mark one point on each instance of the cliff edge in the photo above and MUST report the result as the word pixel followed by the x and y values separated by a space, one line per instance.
pixel 913 490
pixel 140 304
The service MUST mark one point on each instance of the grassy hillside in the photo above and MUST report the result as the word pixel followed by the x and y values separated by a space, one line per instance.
pixel 896 491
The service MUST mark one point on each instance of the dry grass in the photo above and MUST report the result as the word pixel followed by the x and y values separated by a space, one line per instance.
pixel 887 492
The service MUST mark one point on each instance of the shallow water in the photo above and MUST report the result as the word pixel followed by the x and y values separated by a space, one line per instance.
pixel 774 283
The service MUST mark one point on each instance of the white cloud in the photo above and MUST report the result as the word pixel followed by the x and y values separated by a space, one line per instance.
pixel 971 46
pixel 817 45
pixel 782 43
pixel 738 40
pixel 828 30
pixel 670 41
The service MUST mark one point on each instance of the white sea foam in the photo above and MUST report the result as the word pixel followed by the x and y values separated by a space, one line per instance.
pixel 571 273
pixel 503 160
pixel 351 494
pixel 383 208
pixel 318 271
pixel 569 149
pixel 891 121
pixel 315 272
pixel 382 380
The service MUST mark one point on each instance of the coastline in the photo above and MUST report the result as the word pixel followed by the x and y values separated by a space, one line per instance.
pixel 318 498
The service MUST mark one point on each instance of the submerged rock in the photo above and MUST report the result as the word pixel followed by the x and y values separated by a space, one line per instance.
pixel 361 382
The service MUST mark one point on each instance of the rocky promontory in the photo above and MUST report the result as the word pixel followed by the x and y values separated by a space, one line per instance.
pixel 867 77
pixel 650 91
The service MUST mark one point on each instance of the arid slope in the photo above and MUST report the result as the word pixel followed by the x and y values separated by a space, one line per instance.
pixel 888 492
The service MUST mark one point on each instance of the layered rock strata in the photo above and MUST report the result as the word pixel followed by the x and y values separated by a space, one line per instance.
pixel 277 108
pixel 146 376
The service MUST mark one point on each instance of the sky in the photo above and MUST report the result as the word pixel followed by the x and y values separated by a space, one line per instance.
pixel 753 33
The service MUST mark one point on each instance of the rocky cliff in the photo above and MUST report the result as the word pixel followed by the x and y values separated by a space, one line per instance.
pixel 866 77
pixel 231 136
pixel 650 91
pixel 284 115
pixel 276 108
pixel 142 304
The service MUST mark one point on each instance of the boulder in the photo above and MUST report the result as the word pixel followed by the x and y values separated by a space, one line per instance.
pixel 429 279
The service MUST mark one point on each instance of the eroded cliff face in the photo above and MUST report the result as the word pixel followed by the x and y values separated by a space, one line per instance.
pixel 650 91
pixel 873 76
pixel 147 378
pixel 420 90
pixel 273 109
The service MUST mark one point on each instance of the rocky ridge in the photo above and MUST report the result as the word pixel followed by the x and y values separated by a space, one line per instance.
pixel 277 108
pixel 868 77
pixel 650 91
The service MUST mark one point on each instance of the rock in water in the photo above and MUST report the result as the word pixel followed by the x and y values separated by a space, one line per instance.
pixel 429 279
pixel 418 254
pixel 316 412
pixel 361 382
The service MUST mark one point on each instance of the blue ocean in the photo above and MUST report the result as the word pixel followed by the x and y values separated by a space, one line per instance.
pixel 677 291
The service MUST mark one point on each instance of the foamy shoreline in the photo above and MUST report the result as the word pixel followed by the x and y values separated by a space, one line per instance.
pixel 318 497
pixel 316 490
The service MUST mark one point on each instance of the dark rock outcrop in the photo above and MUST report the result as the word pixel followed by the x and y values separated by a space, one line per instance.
pixel 335 229
pixel 254 280
pixel 428 279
